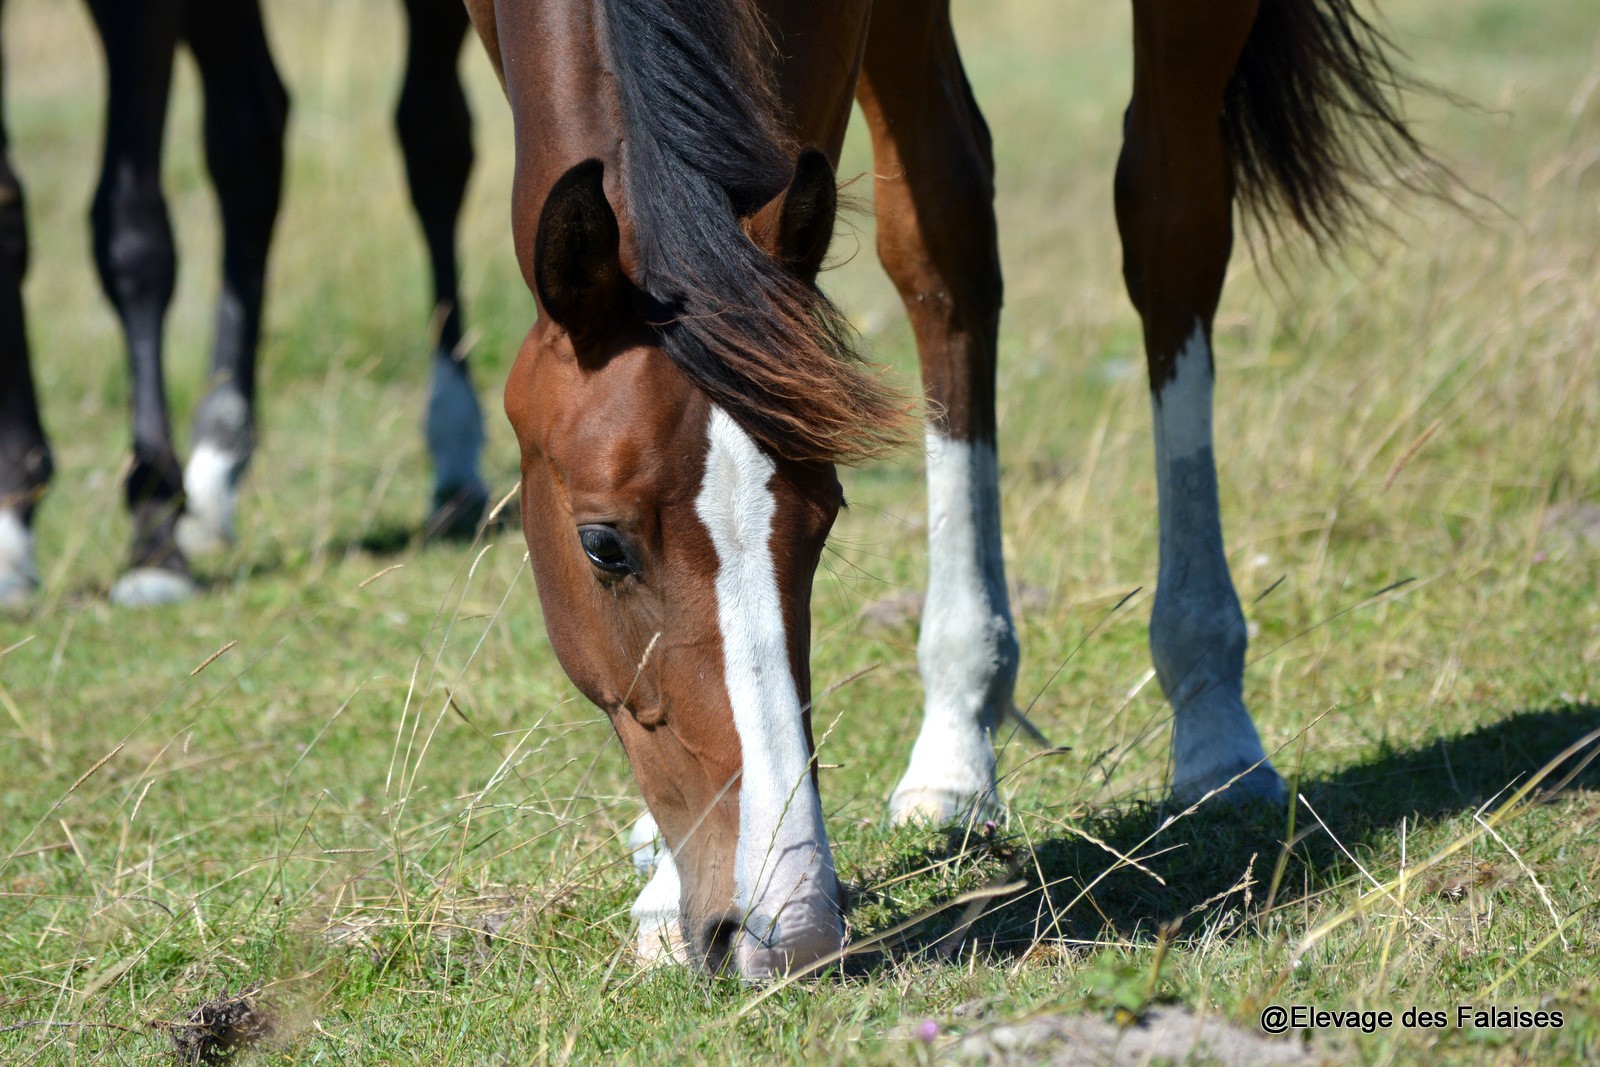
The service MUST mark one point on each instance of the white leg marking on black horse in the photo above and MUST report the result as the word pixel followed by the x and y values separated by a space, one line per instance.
pixel 1197 630
pixel 223 439
pixel 967 650
pixel 211 498
pixel 784 880
pixel 19 576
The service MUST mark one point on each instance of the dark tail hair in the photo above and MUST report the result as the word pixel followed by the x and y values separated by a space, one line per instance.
pixel 703 148
pixel 1312 115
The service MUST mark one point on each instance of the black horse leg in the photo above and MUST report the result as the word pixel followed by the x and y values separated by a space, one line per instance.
pixel 134 252
pixel 435 131
pixel 24 453
pixel 246 110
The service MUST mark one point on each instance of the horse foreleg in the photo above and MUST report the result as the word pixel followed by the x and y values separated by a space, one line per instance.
pixel 655 912
pixel 1174 198
pixel 246 110
pixel 134 253
pixel 24 453
pixel 937 241
pixel 435 129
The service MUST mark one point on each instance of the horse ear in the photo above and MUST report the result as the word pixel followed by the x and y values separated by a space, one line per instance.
pixel 576 267
pixel 797 225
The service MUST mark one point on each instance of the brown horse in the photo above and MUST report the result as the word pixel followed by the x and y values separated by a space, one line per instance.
pixel 182 511
pixel 686 392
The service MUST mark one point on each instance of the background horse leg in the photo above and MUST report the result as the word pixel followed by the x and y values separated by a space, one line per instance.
pixel 134 253
pixel 24 453
pixel 246 110
pixel 435 131
pixel 936 239
pixel 1174 201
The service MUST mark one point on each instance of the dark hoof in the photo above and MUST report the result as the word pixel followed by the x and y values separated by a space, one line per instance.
pixel 1260 785
pixel 457 514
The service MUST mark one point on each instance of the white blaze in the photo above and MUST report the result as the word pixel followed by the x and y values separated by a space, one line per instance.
pixel 783 858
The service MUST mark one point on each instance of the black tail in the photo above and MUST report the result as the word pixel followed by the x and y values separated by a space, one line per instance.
pixel 1312 115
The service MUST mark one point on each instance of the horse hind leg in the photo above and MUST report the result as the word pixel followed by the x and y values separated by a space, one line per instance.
pixel 937 241
pixel 24 454
pixel 435 133
pixel 246 111
pixel 1173 197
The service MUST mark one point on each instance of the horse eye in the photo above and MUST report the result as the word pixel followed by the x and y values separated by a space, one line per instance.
pixel 606 551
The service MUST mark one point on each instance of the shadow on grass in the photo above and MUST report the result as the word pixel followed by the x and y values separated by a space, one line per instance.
pixel 1207 859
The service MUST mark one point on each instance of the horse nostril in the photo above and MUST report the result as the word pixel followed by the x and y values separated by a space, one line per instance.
pixel 719 938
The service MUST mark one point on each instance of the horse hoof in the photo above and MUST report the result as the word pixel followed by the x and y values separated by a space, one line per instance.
pixel 145 587
pixel 1258 785
pixel 660 945
pixel 937 806
pixel 456 513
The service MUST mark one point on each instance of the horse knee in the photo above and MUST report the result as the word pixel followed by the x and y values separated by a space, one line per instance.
pixel 133 242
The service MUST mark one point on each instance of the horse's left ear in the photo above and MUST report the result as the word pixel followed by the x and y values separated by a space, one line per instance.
pixel 796 226
pixel 577 271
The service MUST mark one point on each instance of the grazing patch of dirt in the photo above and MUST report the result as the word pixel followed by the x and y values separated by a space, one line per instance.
pixel 220 1027
pixel 1166 1034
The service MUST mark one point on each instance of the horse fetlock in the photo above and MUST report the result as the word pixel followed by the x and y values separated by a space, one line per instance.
pixel 968 662
pixel 1197 644
pixel 1198 649
pixel 211 492
pixel 454 427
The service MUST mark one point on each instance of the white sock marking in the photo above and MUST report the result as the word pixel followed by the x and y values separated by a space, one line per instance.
pixel 783 860
pixel 967 650
pixel 660 937
pixel 1197 635
pixel 19 577
pixel 211 491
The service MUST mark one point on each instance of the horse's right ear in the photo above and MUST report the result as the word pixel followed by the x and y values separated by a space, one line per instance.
pixel 577 271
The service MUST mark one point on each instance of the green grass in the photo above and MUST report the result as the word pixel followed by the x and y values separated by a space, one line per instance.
pixel 384 803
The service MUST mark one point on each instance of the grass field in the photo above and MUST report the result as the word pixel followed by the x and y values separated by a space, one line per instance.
pixel 354 774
